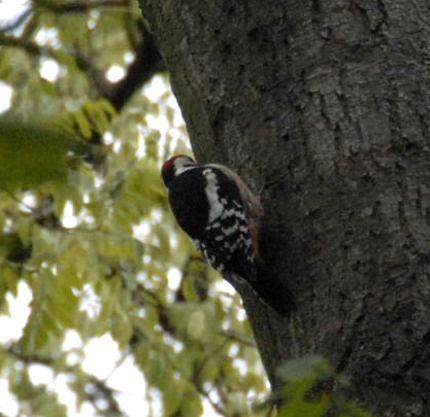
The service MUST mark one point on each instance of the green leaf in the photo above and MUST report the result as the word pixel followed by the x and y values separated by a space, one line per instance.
pixel 157 370
pixel 121 327
pixel 30 154
pixel 172 397
pixel 309 368
pixel 302 408
pixel 10 278
pixel 210 370
pixel 192 404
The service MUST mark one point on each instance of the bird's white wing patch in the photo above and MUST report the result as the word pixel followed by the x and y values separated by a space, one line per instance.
pixel 211 189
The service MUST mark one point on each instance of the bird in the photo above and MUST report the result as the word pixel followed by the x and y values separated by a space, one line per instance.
pixel 222 216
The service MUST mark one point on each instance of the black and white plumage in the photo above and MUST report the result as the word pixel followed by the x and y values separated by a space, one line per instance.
pixel 222 216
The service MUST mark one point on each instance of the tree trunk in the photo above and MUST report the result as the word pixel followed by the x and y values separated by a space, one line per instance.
pixel 324 106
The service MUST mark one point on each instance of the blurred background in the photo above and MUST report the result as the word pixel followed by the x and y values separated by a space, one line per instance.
pixel 105 307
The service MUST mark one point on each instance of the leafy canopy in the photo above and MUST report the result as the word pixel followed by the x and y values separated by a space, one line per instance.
pixel 86 231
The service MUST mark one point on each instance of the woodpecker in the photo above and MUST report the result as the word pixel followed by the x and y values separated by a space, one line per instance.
pixel 222 216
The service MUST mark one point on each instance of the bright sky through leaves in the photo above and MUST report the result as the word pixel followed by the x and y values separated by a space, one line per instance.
pixel 114 262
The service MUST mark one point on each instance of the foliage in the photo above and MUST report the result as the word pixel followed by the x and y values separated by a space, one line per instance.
pixel 87 231
pixel 313 389
pixel 41 154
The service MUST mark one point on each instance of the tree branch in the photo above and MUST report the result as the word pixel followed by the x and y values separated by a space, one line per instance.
pixel 82 62
pixel 147 62
pixel 31 47
pixel 17 22
pixel 238 337
pixel 101 389
pixel 78 7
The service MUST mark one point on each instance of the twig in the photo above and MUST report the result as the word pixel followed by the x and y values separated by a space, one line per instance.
pixel 239 338
pixel 107 393
pixel 17 22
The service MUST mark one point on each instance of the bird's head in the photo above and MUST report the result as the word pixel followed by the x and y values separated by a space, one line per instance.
pixel 174 166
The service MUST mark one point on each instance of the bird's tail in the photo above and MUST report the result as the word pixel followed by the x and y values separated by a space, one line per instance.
pixel 273 292
pixel 268 289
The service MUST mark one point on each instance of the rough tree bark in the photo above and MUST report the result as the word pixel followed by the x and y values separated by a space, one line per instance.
pixel 324 105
